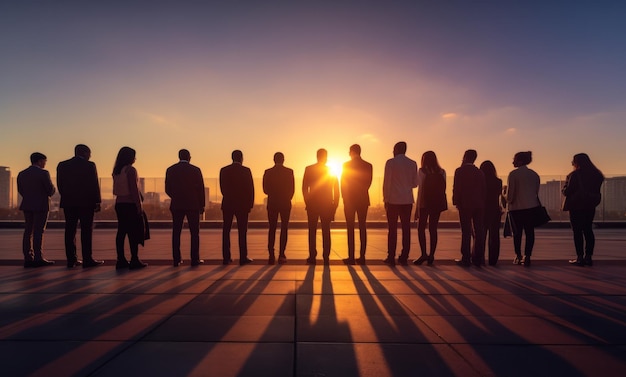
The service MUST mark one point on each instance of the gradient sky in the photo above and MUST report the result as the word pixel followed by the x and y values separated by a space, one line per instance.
pixel 263 76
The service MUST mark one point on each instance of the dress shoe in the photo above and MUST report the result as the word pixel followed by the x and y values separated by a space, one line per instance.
pixel 517 260
pixel 282 259
pixel 271 260
pixel 121 264
pixel 136 264
pixel 588 261
pixel 403 261
pixel 198 262
pixel 42 263
pixel 389 262
pixel 75 263
pixel 361 261
pixel 431 259
pixel 226 262
pixel 244 261
pixel 526 261
pixel 423 258
pixel 349 261
pixel 28 264
pixel 577 262
pixel 462 262
pixel 311 261
pixel 92 263
pixel 177 263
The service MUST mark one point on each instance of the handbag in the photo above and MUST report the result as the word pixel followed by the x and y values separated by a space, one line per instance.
pixel 507 230
pixel 540 216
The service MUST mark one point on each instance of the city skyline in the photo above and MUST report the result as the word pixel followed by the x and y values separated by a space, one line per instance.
pixel 269 76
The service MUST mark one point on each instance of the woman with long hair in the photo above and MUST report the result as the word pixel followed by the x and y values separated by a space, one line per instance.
pixel 522 196
pixel 431 201
pixel 128 208
pixel 493 211
pixel 582 196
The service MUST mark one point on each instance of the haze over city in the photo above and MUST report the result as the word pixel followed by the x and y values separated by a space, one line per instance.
pixel 499 77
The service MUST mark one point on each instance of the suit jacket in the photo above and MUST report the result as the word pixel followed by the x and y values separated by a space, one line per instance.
pixel 237 187
pixel 35 186
pixel 356 179
pixel 77 181
pixel 278 184
pixel 320 188
pixel 185 186
pixel 469 188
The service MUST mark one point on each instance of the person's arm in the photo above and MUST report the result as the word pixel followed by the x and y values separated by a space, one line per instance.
pixel 133 189
pixel 50 190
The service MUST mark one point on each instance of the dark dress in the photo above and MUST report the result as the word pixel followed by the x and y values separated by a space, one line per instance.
pixel 493 215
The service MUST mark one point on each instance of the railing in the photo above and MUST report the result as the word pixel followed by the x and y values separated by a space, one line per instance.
pixel 156 203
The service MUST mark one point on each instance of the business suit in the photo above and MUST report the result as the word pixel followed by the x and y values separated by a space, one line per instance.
pixel 35 186
pixel 77 182
pixel 321 197
pixel 279 185
pixel 468 195
pixel 185 186
pixel 356 179
pixel 237 189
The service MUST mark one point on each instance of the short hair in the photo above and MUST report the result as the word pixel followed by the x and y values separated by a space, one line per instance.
pixel 279 158
pixel 523 158
pixel 82 150
pixel 356 148
pixel 184 155
pixel 35 157
pixel 399 148
pixel 470 156
pixel 237 155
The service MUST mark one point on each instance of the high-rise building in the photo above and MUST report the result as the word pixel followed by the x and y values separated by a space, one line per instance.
pixel 5 187
pixel 550 195
pixel 614 197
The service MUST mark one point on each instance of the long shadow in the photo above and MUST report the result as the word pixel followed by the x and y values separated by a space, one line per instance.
pixel 483 348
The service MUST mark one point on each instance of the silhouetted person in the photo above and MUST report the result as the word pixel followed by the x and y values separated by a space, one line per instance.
pixel 77 181
pixel 431 201
pixel 321 197
pixel 522 195
pixel 582 196
pixel 493 211
pixel 128 208
pixel 185 186
pixel 468 195
pixel 398 183
pixel 35 186
pixel 279 185
pixel 356 179
pixel 237 189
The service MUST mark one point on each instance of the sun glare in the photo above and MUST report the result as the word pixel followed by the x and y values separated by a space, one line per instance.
pixel 335 167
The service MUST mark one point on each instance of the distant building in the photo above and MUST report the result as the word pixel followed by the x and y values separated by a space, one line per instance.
pixel 153 198
pixel 207 196
pixel 614 196
pixel 550 195
pixel 5 187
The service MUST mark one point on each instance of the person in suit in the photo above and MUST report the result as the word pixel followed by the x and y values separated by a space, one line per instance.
pixel 400 178
pixel 77 182
pixel 185 186
pixel 468 195
pixel 321 197
pixel 35 187
pixel 493 211
pixel 279 185
pixel 128 208
pixel 582 196
pixel 356 179
pixel 237 189
pixel 431 201
pixel 522 195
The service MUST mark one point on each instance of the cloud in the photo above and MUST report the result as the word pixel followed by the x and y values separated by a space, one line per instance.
pixel 449 115
pixel 159 120
pixel 511 130
pixel 369 138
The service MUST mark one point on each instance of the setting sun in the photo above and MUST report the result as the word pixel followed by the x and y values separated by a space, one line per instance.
pixel 335 167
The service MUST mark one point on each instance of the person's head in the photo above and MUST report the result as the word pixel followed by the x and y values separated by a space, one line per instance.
pixel 237 156
pixel 126 156
pixel 469 157
pixel 355 150
pixel 38 159
pixel 81 150
pixel 279 158
pixel 430 163
pixel 522 158
pixel 322 156
pixel 184 155
pixel 488 169
pixel 399 148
